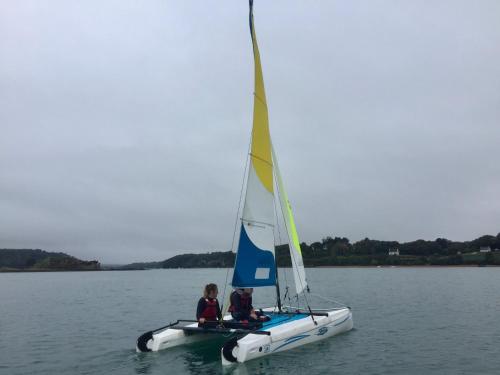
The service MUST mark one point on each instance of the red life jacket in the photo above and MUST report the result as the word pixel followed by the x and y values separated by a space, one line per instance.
pixel 244 303
pixel 210 311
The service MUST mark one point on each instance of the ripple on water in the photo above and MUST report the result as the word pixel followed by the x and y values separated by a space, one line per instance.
pixel 407 321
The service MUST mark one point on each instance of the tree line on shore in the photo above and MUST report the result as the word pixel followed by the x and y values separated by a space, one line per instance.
pixel 15 260
pixel 339 251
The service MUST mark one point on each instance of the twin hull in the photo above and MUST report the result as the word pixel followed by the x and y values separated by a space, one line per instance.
pixel 287 335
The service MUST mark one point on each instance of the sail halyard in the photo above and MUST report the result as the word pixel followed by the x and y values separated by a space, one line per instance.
pixel 255 259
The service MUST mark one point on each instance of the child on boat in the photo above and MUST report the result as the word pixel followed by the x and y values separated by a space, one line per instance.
pixel 208 311
pixel 241 306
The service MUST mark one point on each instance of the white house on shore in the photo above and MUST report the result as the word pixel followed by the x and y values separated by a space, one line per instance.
pixel 485 249
pixel 394 252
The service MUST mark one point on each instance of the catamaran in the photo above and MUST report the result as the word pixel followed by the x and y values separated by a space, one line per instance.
pixel 255 266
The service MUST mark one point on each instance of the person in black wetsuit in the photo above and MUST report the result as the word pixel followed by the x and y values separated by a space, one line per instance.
pixel 208 311
pixel 241 306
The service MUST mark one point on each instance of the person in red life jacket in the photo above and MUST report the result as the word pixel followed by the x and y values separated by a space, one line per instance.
pixel 208 311
pixel 241 306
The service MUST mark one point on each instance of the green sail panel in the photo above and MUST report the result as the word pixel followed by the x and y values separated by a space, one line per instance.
pixel 299 273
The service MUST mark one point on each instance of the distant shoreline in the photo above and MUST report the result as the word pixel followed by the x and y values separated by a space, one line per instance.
pixel 336 252
pixel 44 271
pixel 204 268
pixel 36 260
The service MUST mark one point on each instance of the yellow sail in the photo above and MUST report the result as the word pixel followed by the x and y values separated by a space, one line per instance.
pixel 261 140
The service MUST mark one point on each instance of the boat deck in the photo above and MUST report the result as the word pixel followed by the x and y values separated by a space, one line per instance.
pixel 278 319
pixel 231 326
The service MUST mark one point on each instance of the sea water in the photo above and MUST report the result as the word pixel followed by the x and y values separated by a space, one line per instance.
pixel 406 321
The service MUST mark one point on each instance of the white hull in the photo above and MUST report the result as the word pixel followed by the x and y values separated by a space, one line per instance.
pixel 299 330
pixel 169 338
pixel 174 337
pixel 288 336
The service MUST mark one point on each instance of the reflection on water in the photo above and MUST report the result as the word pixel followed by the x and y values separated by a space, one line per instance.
pixel 200 358
pixel 204 357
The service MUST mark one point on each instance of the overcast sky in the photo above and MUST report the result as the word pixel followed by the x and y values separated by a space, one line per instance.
pixel 125 124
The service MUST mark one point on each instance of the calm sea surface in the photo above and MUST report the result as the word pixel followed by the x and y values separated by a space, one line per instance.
pixel 407 321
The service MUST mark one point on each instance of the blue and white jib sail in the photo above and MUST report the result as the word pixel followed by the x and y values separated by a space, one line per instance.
pixel 255 259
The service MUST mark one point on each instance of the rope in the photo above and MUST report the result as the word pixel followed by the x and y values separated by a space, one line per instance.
pixel 329 299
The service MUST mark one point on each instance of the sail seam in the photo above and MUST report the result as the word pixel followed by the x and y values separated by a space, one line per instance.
pixel 260 99
pixel 261 159
pixel 255 221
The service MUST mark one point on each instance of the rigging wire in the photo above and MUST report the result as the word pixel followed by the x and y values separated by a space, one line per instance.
pixel 237 218
pixel 329 299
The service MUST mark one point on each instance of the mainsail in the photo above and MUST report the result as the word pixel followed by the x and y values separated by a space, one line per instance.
pixel 255 260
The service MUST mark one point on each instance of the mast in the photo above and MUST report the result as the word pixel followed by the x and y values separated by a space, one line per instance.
pixel 278 294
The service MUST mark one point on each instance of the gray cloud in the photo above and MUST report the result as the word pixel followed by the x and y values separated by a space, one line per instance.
pixel 124 124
